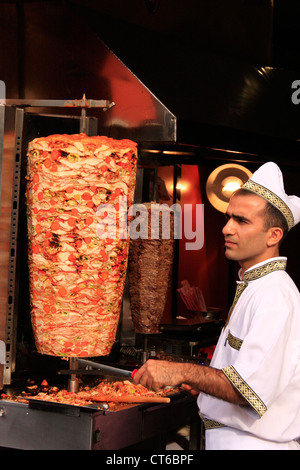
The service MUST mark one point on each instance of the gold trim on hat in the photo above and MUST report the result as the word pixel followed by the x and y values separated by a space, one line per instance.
pixel 272 198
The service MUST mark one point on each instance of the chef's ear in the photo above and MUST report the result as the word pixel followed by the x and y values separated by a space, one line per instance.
pixel 275 235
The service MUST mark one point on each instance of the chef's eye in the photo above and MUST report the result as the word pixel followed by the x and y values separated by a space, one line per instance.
pixel 241 220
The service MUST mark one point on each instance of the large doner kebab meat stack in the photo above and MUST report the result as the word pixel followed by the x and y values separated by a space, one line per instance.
pixel 76 276
pixel 150 267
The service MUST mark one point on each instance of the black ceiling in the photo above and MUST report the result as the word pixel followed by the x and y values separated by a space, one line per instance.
pixel 208 60
pixel 260 32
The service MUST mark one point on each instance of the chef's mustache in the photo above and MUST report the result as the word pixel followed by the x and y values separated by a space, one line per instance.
pixel 229 239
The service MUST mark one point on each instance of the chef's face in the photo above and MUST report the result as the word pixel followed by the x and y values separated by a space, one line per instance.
pixel 246 238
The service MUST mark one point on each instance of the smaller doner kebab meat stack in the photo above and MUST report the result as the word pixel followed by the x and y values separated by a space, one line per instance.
pixel 150 268
pixel 76 277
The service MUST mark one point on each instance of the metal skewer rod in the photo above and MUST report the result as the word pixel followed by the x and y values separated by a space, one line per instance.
pixel 73 384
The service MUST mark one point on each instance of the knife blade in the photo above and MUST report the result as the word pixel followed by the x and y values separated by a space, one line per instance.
pixel 113 370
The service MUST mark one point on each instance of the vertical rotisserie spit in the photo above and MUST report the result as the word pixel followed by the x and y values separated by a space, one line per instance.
pixel 150 267
pixel 77 272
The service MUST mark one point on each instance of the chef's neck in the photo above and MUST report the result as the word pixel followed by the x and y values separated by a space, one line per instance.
pixel 245 265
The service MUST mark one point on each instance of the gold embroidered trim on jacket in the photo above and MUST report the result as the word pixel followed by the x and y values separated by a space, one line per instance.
pixel 252 275
pixel 244 389
pixel 273 199
pixel 210 424
pixel 241 286
pixel 256 273
pixel 234 342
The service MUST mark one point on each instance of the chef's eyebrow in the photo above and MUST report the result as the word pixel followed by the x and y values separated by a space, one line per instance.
pixel 239 218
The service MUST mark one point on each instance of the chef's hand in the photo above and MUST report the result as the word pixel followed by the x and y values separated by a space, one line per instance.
pixel 191 390
pixel 156 375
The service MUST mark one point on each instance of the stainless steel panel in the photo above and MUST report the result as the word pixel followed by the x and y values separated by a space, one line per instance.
pixel 66 427
pixel 30 429
pixel 12 294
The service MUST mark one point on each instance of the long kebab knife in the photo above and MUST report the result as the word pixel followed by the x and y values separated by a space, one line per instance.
pixel 112 370
pixel 74 370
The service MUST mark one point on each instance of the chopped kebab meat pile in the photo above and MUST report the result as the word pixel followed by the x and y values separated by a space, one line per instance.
pixel 77 269
pixel 105 391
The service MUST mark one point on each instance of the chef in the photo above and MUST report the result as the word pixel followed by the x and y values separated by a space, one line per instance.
pixel 249 395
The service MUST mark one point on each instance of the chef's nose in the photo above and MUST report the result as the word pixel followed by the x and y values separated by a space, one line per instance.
pixel 228 228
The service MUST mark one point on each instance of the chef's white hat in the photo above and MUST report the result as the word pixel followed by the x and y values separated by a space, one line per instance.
pixel 267 182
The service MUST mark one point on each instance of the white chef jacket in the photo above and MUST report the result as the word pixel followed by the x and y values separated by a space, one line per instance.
pixel 259 352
